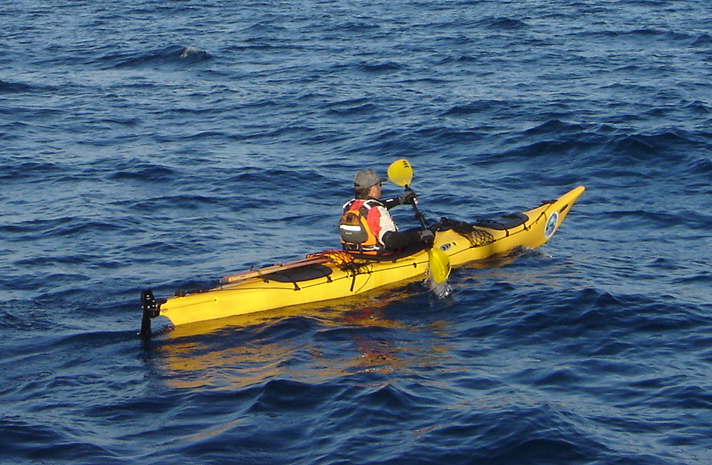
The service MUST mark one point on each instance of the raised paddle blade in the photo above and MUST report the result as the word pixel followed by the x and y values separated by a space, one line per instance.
pixel 400 172
pixel 439 265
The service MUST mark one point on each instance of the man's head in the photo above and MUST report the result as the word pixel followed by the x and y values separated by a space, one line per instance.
pixel 367 183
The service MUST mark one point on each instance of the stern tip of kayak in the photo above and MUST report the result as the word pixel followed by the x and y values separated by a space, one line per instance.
pixel 151 309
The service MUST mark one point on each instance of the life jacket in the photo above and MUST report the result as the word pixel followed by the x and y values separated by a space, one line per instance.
pixel 356 234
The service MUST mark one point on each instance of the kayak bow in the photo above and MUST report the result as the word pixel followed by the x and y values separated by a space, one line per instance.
pixel 332 275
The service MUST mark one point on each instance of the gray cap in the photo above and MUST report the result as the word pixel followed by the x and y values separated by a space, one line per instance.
pixel 367 178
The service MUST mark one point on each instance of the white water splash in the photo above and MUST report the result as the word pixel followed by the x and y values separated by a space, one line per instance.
pixel 442 290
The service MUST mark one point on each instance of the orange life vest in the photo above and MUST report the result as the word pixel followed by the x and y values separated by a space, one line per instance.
pixel 356 234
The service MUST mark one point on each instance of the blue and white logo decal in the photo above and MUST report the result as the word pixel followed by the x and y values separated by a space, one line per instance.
pixel 551 225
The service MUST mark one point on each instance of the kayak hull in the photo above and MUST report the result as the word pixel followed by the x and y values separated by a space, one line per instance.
pixel 324 280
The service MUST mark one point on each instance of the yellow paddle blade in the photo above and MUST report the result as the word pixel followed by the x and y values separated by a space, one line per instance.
pixel 400 172
pixel 439 264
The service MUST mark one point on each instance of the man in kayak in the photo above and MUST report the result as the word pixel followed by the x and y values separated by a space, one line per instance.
pixel 366 225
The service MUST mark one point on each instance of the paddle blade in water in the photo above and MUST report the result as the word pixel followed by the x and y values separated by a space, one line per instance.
pixel 400 172
pixel 439 265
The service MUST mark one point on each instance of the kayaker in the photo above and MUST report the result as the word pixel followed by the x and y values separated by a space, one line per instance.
pixel 366 225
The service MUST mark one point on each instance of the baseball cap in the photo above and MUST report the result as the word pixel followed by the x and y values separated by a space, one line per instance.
pixel 367 178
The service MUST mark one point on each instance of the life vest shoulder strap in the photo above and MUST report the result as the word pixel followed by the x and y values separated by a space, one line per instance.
pixel 365 203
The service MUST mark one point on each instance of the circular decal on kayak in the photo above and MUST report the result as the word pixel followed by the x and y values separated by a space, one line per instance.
pixel 551 224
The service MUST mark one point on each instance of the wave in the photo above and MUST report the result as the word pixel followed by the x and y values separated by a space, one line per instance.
pixel 171 58
pixel 503 23
pixel 352 107
pixel 25 438
pixel 142 172
pixel 602 148
pixel 479 106
pixel 14 87
pixel 703 40
pixel 22 169
pixel 382 67
pixel 62 226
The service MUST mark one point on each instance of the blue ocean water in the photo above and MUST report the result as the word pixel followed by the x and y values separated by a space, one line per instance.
pixel 162 145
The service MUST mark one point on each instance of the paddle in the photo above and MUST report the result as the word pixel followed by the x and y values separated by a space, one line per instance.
pixel 401 173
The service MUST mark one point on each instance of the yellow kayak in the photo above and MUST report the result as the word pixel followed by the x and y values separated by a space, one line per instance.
pixel 334 274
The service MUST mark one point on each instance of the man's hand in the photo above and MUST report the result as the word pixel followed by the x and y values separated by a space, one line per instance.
pixel 426 236
pixel 407 198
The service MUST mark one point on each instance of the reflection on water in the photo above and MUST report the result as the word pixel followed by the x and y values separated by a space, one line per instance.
pixel 302 343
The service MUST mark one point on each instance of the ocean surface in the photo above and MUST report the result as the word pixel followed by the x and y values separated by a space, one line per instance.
pixel 164 144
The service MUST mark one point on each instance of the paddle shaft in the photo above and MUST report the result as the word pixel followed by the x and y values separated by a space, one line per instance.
pixel 418 215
